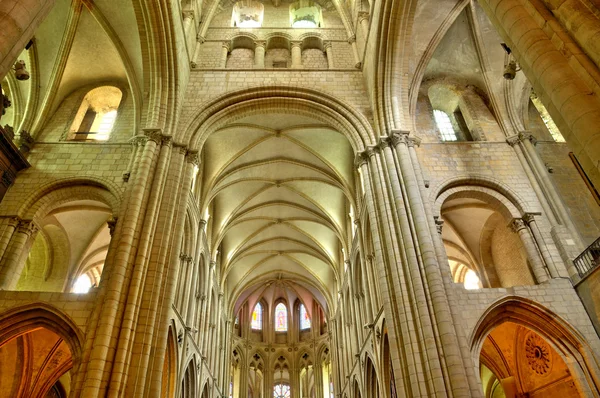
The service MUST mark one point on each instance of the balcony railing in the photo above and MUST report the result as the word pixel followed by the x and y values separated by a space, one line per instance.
pixel 587 261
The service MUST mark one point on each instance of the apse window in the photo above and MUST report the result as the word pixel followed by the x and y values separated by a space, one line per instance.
pixel 546 118
pixel 95 119
pixel 248 14
pixel 305 14
pixel 280 318
pixel 281 391
pixel 304 318
pixel 256 321
pixel 442 120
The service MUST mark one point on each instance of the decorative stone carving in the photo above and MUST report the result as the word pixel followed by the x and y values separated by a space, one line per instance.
pixel 154 135
pixel 25 141
pixel 193 157
pixel 439 224
pixel 126 176
pixel 112 224
pixel 538 354
pixel 517 224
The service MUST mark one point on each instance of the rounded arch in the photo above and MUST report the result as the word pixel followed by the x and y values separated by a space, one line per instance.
pixel 563 337
pixel 57 192
pixel 20 320
pixel 316 103
pixel 509 203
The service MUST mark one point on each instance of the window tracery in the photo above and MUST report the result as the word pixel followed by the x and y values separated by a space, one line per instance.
pixel 256 322
pixel 280 318
pixel 281 391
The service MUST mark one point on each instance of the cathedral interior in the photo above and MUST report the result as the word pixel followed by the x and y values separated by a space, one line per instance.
pixel 299 198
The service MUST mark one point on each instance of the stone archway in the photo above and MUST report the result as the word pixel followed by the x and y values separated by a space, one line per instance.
pixel 39 347
pixel 545 350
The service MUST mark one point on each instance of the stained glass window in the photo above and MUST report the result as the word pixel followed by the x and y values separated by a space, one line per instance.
pixel 256 322
pixel 443 122
pixel 280 318
pixel 281 391
pixel 304 319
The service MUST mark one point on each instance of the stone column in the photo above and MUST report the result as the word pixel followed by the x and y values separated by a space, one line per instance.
pixel 20 20
pixel 11 224
pixel 225 48
pixel 329 53
pixel 188 18
pixel 520 227
pixel 259 54
pixel 363 21
pixel 529 219
pixel 352 41
pixel 199 41
pixel 296 55
pixel 549 67
pixel 14 258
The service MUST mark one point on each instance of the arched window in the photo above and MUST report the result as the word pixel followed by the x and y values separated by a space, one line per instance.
pixel 97 114
pixel 83 284
pixel 281 391
pixel 445 125
pixel 472 280
pixel 256 322
pixel 304 319
pixel 280 318
pixel 248 14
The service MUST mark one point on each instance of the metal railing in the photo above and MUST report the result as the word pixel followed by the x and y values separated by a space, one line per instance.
pixel 587 261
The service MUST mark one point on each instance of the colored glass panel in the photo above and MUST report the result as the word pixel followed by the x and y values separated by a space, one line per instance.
pixel 304 318
pixel 280 318
pixel 256 321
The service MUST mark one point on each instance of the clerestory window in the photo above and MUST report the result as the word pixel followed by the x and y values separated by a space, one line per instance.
pixel 442 120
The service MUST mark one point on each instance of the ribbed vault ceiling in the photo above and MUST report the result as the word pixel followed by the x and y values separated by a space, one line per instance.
pixel 279 189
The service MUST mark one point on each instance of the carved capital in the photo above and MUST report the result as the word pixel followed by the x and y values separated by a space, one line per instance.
pixel 189 15
pixel 529 218
pixel 200 39
pixel 182 148
pixel 260 43
pixel 112 224
pixel 27 227
pixel 213 263
pixel 226 45
pixel 139 140
pixel 513 140
pixel 526 135
pixel 362 15
pixel 352 39
pixel 26 141
pixel 193 157
pixel 296 43
pixel 166 140
pixel 153 135
pixel 126 176
pixel 361 159
pixel 326 44
pixel 517 224
pixel 202 224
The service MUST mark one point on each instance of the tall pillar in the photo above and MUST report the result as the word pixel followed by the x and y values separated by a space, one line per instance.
pixel 329 54
pixel 520 227
pixel 529 219
pixel 20 19
pixel 352 41
pixel 225 48
pixel 296 54
pixel 363 21
pixel 14 259
pixel 259 54
pixel 561 87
